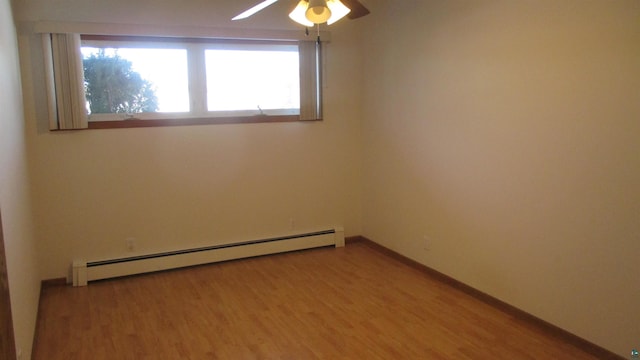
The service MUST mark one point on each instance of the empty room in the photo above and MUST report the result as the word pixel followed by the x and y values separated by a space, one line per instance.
pixel 354 179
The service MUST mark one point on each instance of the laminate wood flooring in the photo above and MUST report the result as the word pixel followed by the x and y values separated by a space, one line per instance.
pixel 346 303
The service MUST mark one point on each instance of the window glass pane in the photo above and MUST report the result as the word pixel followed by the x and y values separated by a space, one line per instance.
pixel 252 79
pixel 135 80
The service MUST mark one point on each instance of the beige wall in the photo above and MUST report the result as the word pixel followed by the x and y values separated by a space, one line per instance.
pixel 179 187
pixel 506 132
pixel 22 265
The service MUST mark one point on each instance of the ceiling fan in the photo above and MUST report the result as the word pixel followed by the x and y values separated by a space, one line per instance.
pixel 311 12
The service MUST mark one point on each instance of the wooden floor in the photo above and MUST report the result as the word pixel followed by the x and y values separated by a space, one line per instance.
pixel 347 303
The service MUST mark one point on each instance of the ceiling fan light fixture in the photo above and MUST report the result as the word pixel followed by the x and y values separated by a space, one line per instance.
pixel 338 11
pixel 318 12
pixel 298 14
pixel 310 12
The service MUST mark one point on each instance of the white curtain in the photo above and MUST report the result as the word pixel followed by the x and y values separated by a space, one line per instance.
pixel 310 80
pixel 65 82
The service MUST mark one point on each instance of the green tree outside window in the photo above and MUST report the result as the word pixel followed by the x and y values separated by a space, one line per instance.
pixel 112 86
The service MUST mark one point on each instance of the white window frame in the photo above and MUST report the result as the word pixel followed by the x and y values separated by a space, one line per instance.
pixel 195 48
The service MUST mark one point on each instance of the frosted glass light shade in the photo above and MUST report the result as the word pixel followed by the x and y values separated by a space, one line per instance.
pixel 298 14
pixel 318 12
pixel 338 11
pixel 306 14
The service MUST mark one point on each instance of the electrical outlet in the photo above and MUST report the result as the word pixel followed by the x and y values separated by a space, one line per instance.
pixel 131 244
pixel 426 243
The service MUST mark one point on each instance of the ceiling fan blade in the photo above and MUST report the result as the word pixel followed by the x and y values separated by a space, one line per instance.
pixel 357 9
pixel 254 9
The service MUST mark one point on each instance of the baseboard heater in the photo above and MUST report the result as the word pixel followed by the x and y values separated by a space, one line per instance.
pixel 85 271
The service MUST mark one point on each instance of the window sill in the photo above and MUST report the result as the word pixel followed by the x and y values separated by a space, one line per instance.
pixel 138 123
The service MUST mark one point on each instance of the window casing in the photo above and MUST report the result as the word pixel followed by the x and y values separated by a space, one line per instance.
pixel 211 78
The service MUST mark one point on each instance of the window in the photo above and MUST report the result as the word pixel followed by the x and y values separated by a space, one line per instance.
pixel 128 80
pixel 123 81
pixel 266 78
